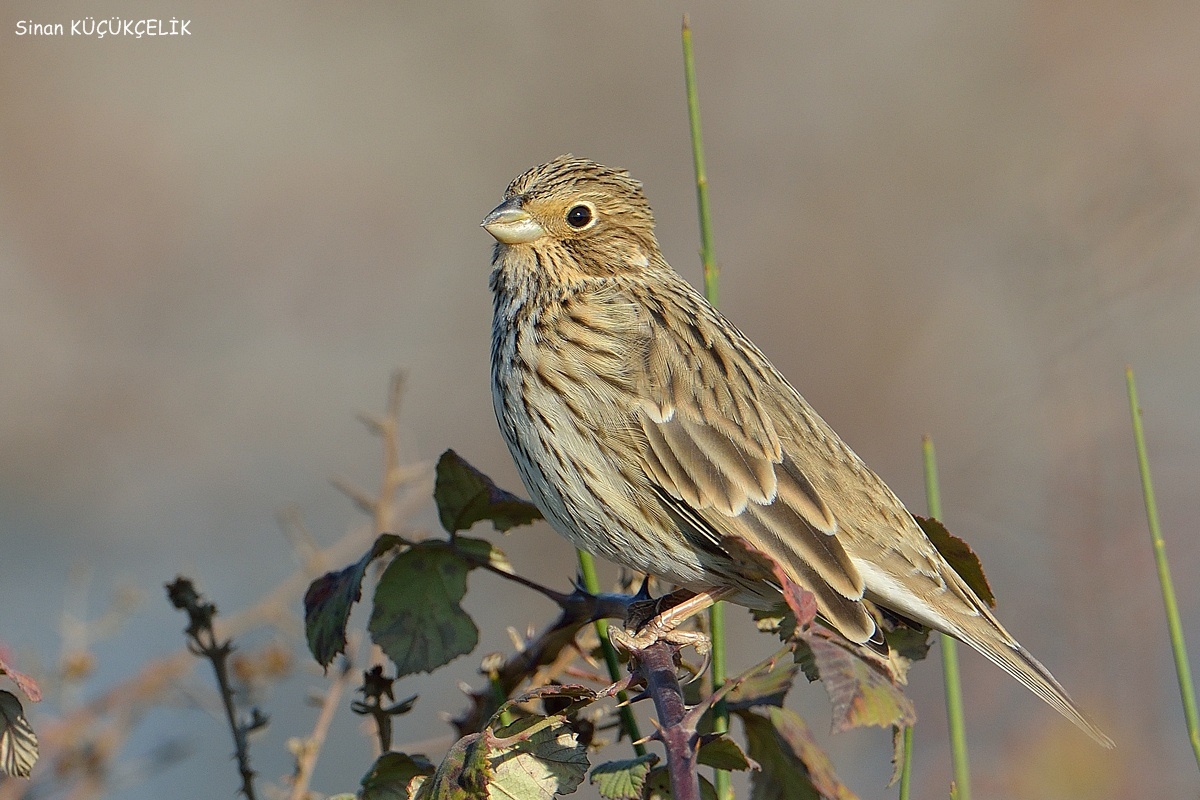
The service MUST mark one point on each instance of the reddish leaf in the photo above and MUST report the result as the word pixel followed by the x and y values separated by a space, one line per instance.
pixel 26 684
pixel 328 601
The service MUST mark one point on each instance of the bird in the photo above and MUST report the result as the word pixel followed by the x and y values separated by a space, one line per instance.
pixel 650 431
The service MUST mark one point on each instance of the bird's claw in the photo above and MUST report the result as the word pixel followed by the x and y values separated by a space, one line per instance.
pixel 635 641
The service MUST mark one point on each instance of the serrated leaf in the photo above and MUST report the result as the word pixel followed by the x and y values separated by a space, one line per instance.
pixel 417 619
pixel 806 661
pixel 395 776
pixel 463 773
pixel 623 780
pixel 764 689
pixel 464 496
pixel 658 786
pixel 724 753
pixel 329 600
pixel 18 742
pixel 860 694
pixel 905 645
pixel 960 556
pixel 550 761
pixel 750 561
pixel 801 602
pixel 793 766
pixel 911 643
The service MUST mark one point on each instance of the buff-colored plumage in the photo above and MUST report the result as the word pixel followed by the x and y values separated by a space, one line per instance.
pixel 648 428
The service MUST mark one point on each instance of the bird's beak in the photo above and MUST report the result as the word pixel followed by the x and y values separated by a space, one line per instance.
pixel 511 224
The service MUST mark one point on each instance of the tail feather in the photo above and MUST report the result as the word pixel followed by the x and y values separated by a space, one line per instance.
pixel 1005 652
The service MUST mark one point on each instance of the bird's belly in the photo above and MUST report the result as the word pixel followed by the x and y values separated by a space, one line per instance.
pixel 582 495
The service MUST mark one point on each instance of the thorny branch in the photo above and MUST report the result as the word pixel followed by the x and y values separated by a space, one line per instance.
pixel 578 609
pixel 676 730
pixel 204 643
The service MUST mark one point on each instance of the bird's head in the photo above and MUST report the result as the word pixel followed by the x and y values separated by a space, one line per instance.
pixel 579 216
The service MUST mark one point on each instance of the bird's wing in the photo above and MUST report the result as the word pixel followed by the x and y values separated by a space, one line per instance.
pixel 717 435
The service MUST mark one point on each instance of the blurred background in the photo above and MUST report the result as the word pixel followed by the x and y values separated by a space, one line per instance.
pixel 954 219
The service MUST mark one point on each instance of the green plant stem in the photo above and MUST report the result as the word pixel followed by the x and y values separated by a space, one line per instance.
pixel 1187 692
pixel 716 615
pixel 587 568
pixel 950 674
pixel 707 255
pixel 906 764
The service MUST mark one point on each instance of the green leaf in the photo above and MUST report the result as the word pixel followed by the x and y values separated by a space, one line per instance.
pixel 764 689
pixel 912 643
pixel 724 753
pixel 658 786
pixel 417 619
pixel 793 766
pixel 395 776
pixel 463 773
pixel 464 496
pixel 906 644
pixel 329 599
pixel 623 780
pixel 18 742
pixel 807 661
pixel 481 551
pixel 960 556
pixel 861 695
pixel 546 760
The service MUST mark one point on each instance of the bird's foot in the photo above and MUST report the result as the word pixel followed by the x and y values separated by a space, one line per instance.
pixel 634 641
pixel 659 620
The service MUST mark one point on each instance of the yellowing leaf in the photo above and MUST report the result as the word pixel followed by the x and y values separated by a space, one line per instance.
pixel 793 767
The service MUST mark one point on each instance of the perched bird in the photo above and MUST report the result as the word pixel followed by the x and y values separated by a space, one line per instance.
pixel 649 430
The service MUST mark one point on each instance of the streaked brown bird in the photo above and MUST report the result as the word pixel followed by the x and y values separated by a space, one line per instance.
pixel 649 430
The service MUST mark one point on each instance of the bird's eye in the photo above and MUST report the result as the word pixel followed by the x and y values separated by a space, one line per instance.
pixel 579 216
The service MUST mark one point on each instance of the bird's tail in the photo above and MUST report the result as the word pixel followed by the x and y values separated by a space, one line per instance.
pixel 985 634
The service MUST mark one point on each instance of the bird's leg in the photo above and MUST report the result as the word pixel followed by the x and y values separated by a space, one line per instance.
pixel 664 624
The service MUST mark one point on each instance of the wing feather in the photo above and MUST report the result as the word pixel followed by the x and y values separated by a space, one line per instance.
pixel 715 447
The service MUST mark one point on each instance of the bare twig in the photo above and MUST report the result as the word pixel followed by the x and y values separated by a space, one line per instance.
pixel 204 643
pixel 100 727
pixel 310 747
pixel 579 609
